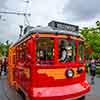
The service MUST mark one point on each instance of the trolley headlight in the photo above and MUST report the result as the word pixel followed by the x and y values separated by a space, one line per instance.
pixel 69 73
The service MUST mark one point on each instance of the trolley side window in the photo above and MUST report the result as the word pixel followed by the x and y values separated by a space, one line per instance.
pixel 81 52
pixel 14 59
pixel 17 53
pixel 22 52
pixel 44 50
pixel 67 50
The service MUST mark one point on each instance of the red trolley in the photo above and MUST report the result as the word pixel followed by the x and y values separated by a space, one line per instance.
pixel 49 63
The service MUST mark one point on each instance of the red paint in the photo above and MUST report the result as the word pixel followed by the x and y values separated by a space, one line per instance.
pixel 44 87
pixel 56 50
pixel 61 92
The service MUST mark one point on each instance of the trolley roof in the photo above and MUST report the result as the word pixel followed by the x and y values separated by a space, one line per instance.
pixel 52 29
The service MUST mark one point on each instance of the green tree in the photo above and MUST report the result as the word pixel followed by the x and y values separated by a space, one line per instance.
pixel 92 36
pixel 4 49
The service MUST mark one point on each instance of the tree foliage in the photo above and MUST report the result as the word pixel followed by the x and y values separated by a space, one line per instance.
pixel 92 36
pixel 4 49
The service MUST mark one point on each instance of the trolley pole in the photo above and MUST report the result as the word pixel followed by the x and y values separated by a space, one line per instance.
pixel 15 13
pixel 19 14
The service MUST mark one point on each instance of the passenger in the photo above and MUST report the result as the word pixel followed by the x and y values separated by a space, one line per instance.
pixel 64 55
pixel 42 55
pixel 63 52
pixel 60 47
pixel 92 69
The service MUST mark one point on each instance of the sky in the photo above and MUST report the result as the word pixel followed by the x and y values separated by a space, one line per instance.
pixel 83 13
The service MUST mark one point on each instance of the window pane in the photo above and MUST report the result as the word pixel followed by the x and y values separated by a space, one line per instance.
pixel 14 59
pixel 66 50
pixel 45 50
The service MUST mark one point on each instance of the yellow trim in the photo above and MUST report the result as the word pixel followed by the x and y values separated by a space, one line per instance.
pixel 57 73
pixel 11 66
pixel 27 72
pixel 59 36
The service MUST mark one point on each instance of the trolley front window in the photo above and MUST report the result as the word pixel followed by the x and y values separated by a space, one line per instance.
pixel 67 51
pixel 45 50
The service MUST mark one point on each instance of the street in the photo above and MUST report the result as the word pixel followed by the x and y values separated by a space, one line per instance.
pixel 9 93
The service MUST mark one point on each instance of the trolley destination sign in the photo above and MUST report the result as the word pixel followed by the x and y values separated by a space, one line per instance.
pixel 63 26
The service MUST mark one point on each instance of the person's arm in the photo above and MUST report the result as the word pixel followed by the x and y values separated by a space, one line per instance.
pixel 63 56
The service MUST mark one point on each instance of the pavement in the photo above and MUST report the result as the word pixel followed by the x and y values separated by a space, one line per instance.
pixel 9 93
pixel 94 94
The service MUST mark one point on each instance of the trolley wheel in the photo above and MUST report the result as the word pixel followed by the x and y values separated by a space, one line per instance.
pixel 21 94
pixel 81 98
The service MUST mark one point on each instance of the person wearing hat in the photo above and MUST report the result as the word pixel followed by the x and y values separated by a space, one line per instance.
pixel 63 52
